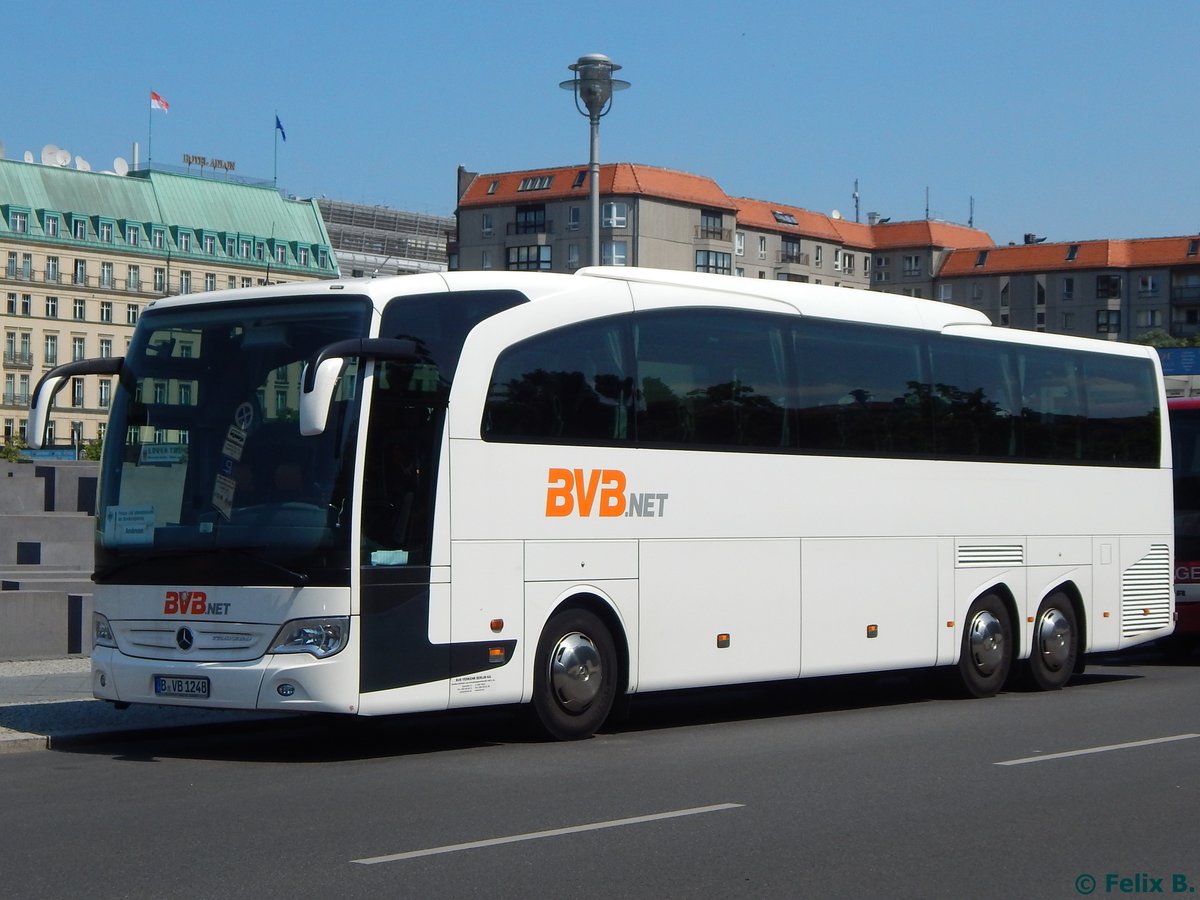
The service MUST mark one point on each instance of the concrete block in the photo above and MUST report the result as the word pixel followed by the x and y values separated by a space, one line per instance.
pixel 44 624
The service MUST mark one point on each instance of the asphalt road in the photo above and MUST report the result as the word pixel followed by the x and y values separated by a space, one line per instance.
pixel 859 787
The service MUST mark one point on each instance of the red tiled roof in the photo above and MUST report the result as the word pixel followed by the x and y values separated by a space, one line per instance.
pixel 1142 253
pixel 629 179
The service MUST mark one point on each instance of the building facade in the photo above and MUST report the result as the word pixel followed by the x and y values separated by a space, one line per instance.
pixel 376 240
pixel 661 218
pixel 538 219
pixel 85 253
pixel 1115 289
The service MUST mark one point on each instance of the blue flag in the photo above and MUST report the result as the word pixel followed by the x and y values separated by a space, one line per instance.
pixel 279 125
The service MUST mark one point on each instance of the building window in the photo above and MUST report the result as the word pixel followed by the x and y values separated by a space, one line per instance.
pixel 260 251
pixel 210 281
pixel 1040 299
pixel 131 314
pixel 789 249
pixel 574 218
pixel 615 215
pixel 81 271
pixel 1149 318
pixel 837 259
pixel 50 348
pixel 1068 288
pixel 160 280
pixel 77 349
pixel 105 348
pixel 1108 287
pixel 485 224
pixel 530 220
pixel 945 293
pixel 714 261
pixel 26 266
pixel 1147 285
pixel 106 274
pixel 106 311
pixel 52 269
pixel 27 304
pixel 185 281
pixel 739 243
pixel 848 263
pixel 535 183
pixel 133 280
pixel 485 260
pixel 77 392
pixel 185 242
pixel 80 309
pixel 1068 321
pixel 1004 294
pixel 572 256
pixel 131 235
pixel 711 224
pixel 79 229
pixel 912 265
pixel 51 307
pixel 817 250
pixel 1072 252
pixel 762 247
pixel 51 226
pixel 302 256
pixel 210 244
pixel 535 257
pixel 105 397
pixel 1108 321
pixel 614 253
pixel 18 222
pixel 280 253
pixel 159 239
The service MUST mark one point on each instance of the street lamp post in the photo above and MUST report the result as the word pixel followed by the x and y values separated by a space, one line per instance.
pixel 593 86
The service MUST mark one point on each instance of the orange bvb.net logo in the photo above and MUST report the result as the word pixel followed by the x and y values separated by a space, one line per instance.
pixel 588 492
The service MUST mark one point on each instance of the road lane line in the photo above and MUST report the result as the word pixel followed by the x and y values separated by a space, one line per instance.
pixel 1105 749
pixel 554 832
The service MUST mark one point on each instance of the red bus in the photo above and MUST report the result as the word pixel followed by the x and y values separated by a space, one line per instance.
pixel 1185 449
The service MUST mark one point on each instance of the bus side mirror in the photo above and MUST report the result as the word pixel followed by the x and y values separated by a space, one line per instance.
pixel 317 395
pixel 53 382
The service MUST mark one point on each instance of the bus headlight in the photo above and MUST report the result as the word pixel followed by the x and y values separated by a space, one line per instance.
pixel 102 635
pixel 320 637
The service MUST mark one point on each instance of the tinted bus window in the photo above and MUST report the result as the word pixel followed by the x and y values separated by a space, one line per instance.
pixel 974 411
pixel 862 390
pixel 571 385
pixel 713 378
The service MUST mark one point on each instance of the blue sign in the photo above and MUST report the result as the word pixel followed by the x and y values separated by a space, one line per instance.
pixel 1180 360
pixel 49 453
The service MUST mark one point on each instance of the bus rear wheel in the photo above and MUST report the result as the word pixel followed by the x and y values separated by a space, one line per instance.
pixel 1055 649
pixel 575 675
pixel 986 653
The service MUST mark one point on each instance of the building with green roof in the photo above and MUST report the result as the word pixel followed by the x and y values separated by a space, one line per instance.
pixel 86 251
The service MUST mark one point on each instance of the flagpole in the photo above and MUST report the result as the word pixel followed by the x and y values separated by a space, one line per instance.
pixel 275 169
pixel 150 138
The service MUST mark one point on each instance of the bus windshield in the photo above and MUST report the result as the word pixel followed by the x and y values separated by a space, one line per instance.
pixel 204 455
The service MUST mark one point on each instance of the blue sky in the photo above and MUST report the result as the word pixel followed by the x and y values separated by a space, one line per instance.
pixel 1072 120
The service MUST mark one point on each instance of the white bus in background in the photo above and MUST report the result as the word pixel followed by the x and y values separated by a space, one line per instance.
pixel 439 491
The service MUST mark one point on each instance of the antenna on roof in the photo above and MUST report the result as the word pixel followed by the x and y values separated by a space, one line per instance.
pixel 836 214
pixel 926 201
pixel 82 164
pixel 1 149
pixel 971 218
pixel 62 158
pixel 49 155
pixel 120 166
pixel 29 156
pixel 855 200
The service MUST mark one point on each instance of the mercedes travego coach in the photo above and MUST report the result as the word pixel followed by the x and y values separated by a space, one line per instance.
pixel 440 491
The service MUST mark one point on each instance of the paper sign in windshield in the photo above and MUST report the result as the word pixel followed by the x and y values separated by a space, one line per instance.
pixel 129 525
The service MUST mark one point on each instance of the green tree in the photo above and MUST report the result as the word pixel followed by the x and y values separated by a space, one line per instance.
pixel 1160 338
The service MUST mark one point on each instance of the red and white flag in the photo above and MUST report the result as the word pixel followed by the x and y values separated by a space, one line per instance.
pixel 157 102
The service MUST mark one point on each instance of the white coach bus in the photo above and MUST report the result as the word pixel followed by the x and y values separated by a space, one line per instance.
pixel 439 491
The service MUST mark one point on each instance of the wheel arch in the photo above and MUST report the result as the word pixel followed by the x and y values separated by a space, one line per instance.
pixel 1004 592
pixel 600 606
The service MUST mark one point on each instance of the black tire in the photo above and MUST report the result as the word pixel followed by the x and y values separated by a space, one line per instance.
pixel 985 655
pixel 1055 651
pixel 575 675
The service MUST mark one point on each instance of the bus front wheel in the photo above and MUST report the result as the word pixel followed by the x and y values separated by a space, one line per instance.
pixel 575 675
pixel 1055 643
pixel 986 653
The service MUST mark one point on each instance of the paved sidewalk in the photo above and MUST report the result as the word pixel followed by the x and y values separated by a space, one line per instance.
pixel 43 702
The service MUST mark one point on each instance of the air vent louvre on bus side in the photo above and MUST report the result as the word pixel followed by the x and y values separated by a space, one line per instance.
pixel 989 555
pixel 1146 592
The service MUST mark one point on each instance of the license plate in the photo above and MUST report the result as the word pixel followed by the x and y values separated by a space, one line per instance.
pixel 174 686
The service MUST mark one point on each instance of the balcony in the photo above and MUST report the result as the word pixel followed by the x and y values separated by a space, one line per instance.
pixel 546 227
pixel 1189 293
pixel 17 398
pixel 793 258
pixel 711 233
pixel 18 359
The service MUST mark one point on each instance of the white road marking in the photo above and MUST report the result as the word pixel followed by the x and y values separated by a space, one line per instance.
pixel 554 832
pixel 1084 752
